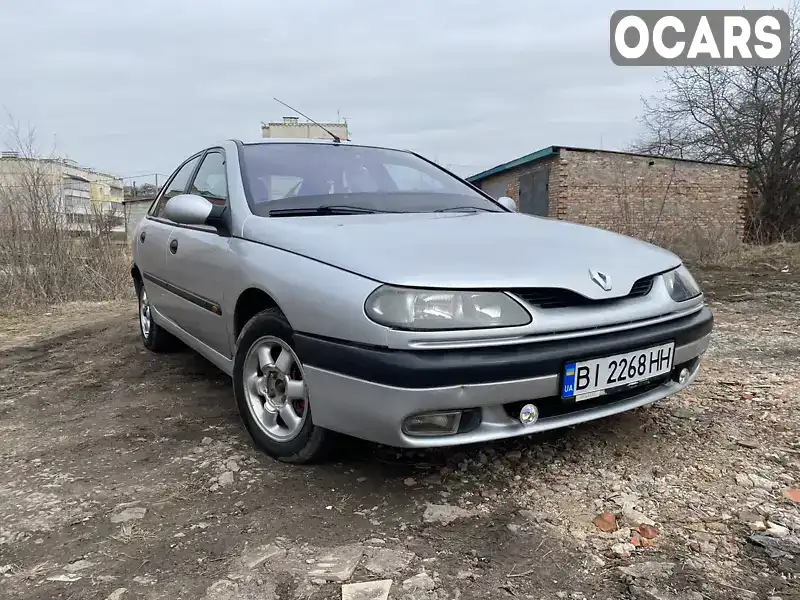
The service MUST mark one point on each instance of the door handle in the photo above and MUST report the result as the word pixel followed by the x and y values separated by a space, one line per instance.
pixel 173 246
pixel 142 236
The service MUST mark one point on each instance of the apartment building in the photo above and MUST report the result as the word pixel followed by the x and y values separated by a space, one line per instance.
pixel 78 195
pixel 293 128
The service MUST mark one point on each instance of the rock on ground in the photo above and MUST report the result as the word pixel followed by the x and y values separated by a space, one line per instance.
pixel 444 514
pixel 368 590
pixel 132 513
pixel 64 578
pixel 606 522
pixel 224 589
pixel 623 549
pixel 258 556
pixel 78 565
pixel 338 564
pixel 387 561
pixel 421 582
pixel 777 547
pixel 634 517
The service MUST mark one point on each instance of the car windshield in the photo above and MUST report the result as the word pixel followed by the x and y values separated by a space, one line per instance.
pixel 283 177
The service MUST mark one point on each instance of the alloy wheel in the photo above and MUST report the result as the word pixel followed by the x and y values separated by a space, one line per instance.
pixel 145 318
pixel 275 388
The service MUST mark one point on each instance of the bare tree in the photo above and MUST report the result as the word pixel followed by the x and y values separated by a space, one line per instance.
pixel 145 190
pixel 44 258
pixel 747 116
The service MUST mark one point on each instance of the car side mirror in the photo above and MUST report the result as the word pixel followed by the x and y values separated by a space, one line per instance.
pixel 508 203
pixel 188 209
pixel 191 209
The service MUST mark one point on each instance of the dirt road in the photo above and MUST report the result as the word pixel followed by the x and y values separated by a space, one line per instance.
pixel 127 475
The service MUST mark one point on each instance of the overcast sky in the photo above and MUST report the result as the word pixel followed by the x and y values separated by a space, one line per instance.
pixel 134 86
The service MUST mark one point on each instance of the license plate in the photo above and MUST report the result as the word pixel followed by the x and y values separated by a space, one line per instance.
pixel 587 379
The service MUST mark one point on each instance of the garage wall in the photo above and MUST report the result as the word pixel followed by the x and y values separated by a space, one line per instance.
pixel 641 195
pixel 670 202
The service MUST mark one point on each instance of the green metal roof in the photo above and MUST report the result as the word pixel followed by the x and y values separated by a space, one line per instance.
pixel 524 160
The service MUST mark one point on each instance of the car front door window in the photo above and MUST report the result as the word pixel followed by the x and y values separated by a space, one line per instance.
pixel 211 181
pixel 177 185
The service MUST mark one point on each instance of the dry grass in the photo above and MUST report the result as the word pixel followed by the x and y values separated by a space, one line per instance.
pixel 779 257
pixel 40 267
pixel 701 246
pixel 44 258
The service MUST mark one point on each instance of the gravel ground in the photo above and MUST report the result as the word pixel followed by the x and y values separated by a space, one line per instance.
pixel 127 475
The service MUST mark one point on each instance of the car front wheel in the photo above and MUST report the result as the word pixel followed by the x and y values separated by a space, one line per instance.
pixel 271 392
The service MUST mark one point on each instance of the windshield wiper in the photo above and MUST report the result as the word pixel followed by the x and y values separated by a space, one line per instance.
pixel 325 209
pixel 464 208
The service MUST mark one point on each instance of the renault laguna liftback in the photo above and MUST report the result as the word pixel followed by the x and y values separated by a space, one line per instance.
pixel 368 291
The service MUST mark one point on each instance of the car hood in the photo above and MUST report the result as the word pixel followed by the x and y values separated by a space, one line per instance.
pixel 466 250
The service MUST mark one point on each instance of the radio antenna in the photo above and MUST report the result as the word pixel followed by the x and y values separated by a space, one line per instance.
pixel 335 137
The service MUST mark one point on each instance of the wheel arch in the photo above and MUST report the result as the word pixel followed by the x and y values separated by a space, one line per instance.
pixel 249 303
pixel 136 275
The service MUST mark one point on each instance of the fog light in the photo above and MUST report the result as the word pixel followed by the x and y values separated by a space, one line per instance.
pixel 441 423
pixel 683 376
pixel 529 414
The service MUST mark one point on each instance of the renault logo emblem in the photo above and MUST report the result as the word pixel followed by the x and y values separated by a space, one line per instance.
pixel 601 279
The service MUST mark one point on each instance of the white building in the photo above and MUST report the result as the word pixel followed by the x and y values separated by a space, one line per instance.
pixel 78 195
pixel 292 128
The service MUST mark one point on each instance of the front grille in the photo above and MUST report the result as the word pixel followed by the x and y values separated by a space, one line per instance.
pixel 561 298
pixel 641 287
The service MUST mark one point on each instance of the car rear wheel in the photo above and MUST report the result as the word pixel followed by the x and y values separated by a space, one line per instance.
pixel 271 393
pixel 153 336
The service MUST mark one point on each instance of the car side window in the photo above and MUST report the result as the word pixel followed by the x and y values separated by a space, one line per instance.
pixel 177 185
pixel 211 182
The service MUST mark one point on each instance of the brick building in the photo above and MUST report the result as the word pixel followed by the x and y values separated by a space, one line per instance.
pixel 654 198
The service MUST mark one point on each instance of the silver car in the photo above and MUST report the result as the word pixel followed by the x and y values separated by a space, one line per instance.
pixel 367 291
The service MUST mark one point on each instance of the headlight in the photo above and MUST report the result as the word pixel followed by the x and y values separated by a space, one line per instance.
pixel 681 285
pixel 438 309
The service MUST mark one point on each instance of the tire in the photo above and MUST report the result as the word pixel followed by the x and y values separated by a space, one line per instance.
pixel 268 384
pixel 154 337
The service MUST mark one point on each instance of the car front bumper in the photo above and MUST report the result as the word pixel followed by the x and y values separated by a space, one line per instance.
pixel 369 392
